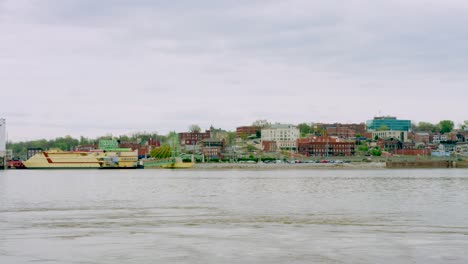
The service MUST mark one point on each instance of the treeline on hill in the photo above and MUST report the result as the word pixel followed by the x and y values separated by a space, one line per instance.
pixel 444 126
pixel 69 143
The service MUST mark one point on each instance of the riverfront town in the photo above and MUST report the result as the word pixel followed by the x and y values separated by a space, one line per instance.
pixel 385 140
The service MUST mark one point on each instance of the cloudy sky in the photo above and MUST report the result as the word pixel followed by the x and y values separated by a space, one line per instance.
pixel 87 67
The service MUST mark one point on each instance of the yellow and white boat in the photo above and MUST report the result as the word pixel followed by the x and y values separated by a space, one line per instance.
pixel 57 159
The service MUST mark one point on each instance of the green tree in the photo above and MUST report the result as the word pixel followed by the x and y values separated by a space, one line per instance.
pixel 83 140
pixel 251 148
pixel 304 129
pixel 376 152
pixel 243 136
pixel 231 138
pixel 426 126
pixel 446 126
pixel 363 148
pixel 464 126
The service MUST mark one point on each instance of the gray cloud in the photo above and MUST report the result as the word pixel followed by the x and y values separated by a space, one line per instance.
pixel 82 66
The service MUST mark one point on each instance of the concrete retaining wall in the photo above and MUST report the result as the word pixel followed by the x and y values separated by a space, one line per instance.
pixel 461 164
pixel 420 164
pixel 426 164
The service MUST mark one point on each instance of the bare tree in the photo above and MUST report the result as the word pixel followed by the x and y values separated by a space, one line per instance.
pixel 194 128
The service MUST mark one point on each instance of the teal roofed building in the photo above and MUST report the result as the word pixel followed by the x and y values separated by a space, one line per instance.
pixel 388 123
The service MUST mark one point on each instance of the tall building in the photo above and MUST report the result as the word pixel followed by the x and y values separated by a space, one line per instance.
pixel 2 136
pixel 285 136
pixel 388 123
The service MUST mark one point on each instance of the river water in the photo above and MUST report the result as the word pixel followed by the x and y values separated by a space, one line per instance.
pixel 234 216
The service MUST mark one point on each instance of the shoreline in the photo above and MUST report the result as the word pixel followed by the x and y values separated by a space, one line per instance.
pixel 287 166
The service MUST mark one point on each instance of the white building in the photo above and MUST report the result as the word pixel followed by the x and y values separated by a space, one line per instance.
pixel 2 136
pixel 284 135
pixel 439 138
pixel 400 135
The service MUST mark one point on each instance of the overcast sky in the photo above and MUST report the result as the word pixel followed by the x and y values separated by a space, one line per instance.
pixel 88 67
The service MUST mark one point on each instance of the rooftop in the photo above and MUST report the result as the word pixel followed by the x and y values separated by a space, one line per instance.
pixel 277 126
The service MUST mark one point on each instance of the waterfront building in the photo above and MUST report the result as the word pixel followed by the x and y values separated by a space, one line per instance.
pixel 284 135
pixel 189 140
pixel 448 145
pixel 388 123
pixel 392 134
pixel 212 148
pixel 325 147
pixel 437 138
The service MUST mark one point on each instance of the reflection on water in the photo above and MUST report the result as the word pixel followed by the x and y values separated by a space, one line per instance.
pixel 164 216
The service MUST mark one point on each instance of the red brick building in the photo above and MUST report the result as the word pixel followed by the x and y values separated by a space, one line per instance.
pixel 212 152
pixel 269 146
pixel 421 137
pixel 143 150
pixel 325 147
pixel 247 130
pixel 213 148
pixel 348 130
pixel 192 138
pixel 342 132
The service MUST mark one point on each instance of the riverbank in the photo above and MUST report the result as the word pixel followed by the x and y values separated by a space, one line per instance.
pixel 288 166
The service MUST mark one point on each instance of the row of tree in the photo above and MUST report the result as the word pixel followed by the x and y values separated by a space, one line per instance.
pixel 444 126
pixel 69 143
